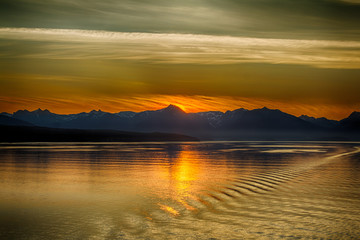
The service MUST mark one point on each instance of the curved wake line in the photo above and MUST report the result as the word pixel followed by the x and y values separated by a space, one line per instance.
pixel 329 159
pixel 262 183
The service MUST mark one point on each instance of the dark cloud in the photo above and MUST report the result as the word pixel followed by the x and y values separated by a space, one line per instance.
pixel 257 61
pixel 320 19
pixel 313 19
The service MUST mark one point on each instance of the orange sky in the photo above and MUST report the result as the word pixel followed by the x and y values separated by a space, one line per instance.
pixel 187 103
pixel 200 55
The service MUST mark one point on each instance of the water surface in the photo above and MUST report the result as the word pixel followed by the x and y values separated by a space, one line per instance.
pixel 202 190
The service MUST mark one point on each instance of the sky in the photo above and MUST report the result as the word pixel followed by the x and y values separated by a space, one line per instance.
pixel 70 56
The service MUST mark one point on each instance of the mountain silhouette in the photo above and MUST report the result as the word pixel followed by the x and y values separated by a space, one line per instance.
pixel 171 118
pixel 10 121
pixel 40 117
pixel 237 124
pixel 96 120
pixel 322 122
pixel 263 119
pixel 352 122
pixel 212 117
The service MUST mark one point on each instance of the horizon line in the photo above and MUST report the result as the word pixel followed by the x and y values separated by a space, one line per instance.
pixel 176 105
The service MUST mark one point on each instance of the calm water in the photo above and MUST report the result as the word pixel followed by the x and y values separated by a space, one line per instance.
pixel 206 190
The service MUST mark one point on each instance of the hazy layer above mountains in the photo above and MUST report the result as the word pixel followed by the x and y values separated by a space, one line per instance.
pixel 238 124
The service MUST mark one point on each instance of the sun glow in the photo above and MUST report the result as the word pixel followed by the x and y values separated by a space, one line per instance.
pixel 189 104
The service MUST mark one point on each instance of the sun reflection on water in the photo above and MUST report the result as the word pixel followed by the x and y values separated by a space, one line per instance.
pixel 185 172
pixel 157 190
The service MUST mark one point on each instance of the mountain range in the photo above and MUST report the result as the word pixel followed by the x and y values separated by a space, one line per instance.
pixel 237 124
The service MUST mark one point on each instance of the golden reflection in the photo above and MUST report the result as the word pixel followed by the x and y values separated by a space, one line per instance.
pixel 183 175
pixel 188 176
pixel 175 175
pixel 185 171
pixel 169 209
pixel 139 191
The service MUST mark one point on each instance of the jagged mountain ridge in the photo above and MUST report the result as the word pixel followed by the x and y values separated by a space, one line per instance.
pixel 323 122
pixel 174 119
pixel 262 119
pixel 351 122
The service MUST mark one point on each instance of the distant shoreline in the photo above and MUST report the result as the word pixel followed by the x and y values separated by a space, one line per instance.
pixel 43 134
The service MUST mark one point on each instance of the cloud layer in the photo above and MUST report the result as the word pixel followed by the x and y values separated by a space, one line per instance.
pixel 68 55
pixel 305 19
pixel 176 48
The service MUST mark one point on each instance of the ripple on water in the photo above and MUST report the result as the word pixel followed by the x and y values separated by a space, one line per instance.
pixel 212 190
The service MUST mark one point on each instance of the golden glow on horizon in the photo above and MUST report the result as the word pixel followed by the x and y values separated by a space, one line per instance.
pixel 189 104
pixel 71 70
